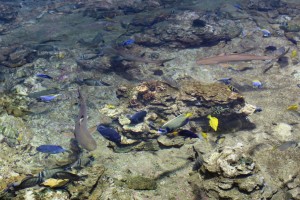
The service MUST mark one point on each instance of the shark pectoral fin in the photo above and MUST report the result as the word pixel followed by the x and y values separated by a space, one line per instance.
pixel 81 119
pixel 92 129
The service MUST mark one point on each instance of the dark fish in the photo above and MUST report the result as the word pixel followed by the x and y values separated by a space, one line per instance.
pixel 287 145
pixel 82 133
pixel 25 183
pixel 188 133
pixel 44 76
pixel 67 175
pixel 233 88
pixel 199 23
pixel 198 160
pixel 51 149
pixel 258 109
pixel 80 163
pixel 89 56
pixel 271 48
pixel 138 117
pixel 109 134
pixel 170 82
pixel 226 81
pixel 91 82
pixel 48 173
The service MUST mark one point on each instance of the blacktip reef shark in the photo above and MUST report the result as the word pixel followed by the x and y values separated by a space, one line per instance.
pixel 237 57
pixel 82 133
pixel 128 56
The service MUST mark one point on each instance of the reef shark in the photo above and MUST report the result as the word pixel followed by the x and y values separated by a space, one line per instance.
pixel 128 56
pixel 231 58
pixel 82 133
pixel 239 57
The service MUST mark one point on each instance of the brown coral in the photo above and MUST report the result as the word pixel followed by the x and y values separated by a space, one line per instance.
pixel 142 89
pixel 149 96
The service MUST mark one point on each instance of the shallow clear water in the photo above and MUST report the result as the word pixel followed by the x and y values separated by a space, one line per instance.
pixel 219 81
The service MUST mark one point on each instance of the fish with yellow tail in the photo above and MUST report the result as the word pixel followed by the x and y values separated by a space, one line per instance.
pixel 175 123
pixel 213 122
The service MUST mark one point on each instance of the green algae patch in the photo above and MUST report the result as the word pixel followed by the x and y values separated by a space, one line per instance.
pixel 141 183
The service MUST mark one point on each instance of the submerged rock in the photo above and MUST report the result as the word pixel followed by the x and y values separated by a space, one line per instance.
pixel 140 183
pixel 230 162
pixel 283 132
pixel 183 33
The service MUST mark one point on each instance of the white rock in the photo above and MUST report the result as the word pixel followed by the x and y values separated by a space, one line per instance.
pixel 283 132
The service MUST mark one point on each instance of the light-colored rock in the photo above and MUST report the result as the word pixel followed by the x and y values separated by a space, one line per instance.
pixel 124 120
pixel 170 142
pixel 138 128
pixel 295 193
pixel 230 162
pixel 283 132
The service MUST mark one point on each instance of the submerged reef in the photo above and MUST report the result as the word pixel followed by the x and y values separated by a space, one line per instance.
pixel 163 102
pixel 154 121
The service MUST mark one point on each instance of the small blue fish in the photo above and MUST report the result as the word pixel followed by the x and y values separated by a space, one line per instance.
pixel 109 133
pixel 138 117
pixel 128 42
pixel 266 33
pixel 47 98
pixel 226 81
pixel 238 6
pixel 44 76
pixel 50 149
pixel 256 84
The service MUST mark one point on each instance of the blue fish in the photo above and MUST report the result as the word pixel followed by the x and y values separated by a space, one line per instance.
pixel 109 133
pixel 238 6
pixel 50 149
pixel 128 42
pixel 138 117
pixel 226 81
pixel 256 84
pixel 47 98
pixel 44 76
pixel 266 33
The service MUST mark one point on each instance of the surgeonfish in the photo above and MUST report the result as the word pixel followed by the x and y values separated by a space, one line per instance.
pixel 50 149
pixel 175 123
pixel 188 134
pixel 109 133
pixel 27 182
pixel 293 107
pixel 138 117
pixel 213 122
pixel 68 175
